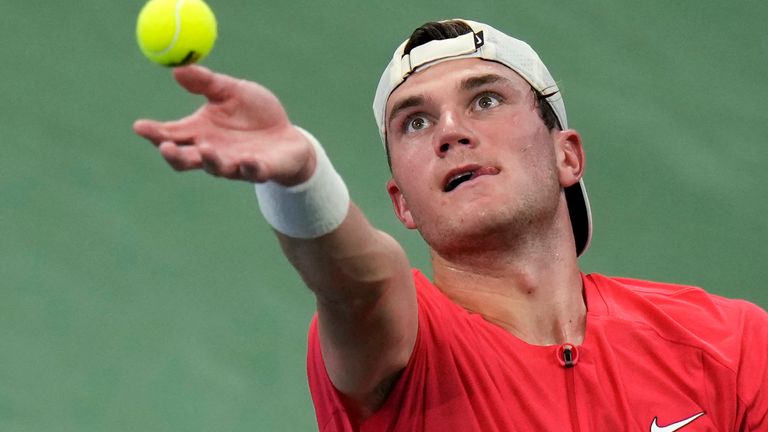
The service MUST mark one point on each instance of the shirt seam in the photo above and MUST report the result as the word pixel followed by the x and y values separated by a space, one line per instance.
pixel 646 327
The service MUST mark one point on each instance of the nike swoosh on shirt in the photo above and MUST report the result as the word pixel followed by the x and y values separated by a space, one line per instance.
pixel 674 426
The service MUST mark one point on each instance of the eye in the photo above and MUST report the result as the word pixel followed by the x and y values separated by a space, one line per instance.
pixel 487 101
pixel 415 123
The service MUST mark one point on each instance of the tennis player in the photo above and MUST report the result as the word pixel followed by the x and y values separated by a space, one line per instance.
pixel 510 335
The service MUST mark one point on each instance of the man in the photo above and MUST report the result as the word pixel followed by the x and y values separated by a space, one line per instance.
pixel 511 335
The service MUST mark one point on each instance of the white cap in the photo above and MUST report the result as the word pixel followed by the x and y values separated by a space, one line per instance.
pixel 485 42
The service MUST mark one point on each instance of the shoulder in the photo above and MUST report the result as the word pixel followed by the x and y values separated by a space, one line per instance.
pixel 627 295
pixel 728 336
pixel 682 313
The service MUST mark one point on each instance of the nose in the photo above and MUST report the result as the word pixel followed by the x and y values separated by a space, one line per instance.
pixel 452 132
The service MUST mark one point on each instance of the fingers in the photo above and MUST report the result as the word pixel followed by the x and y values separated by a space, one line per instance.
pixel 147 129
pixel 196 79
pixel 253 170
pixel 248 167
pixel 203 156
pixel 184 152
pixel 159 132
pixel 237 162
pixel 217 164
pixel 181 158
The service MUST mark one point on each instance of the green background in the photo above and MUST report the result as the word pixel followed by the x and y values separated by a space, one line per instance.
pixel 135 298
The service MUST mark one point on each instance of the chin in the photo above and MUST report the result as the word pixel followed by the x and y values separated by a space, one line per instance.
pixel 483 230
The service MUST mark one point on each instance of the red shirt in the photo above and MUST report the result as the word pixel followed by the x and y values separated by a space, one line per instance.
pixel 653 355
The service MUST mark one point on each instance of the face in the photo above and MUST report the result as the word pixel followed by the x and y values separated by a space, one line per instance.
pixel 471 158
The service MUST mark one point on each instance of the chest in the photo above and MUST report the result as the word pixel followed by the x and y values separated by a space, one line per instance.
pixel 627 379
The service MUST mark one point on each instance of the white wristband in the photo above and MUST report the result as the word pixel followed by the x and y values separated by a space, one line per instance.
pixel 310 209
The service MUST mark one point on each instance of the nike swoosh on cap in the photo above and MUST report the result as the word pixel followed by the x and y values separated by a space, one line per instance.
pixel 674 426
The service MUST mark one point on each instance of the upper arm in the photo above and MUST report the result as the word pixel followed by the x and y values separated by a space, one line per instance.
pixel 366 306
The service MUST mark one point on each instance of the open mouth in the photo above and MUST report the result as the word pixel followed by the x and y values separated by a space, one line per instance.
pixel 465 174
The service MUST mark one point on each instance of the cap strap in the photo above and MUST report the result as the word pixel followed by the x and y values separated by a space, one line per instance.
pixel 440 49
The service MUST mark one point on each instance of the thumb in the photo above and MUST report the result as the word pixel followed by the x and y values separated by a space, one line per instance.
pixel 201 80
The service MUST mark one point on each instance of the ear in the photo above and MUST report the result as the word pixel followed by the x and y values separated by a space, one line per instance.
pixel 400 205
pixel 570 157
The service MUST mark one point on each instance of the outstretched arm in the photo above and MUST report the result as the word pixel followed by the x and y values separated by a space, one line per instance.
pixel 366 300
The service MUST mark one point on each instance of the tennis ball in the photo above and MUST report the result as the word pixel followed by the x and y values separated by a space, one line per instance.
pixel 176 32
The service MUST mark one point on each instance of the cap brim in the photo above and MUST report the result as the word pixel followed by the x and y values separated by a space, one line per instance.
pixel 581 215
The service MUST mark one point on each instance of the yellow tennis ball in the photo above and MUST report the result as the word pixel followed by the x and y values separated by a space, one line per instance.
pixel 176 32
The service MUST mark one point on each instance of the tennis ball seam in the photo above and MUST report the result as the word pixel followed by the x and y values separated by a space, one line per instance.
pixel 176 32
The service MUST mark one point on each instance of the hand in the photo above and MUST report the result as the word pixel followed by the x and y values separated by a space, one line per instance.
pixel 241 133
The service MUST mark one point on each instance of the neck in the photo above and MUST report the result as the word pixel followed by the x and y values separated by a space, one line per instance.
pixel 534 294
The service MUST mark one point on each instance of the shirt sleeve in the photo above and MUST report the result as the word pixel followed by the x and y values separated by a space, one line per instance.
pixel 404 407
pixel 329 409
pixel 753 370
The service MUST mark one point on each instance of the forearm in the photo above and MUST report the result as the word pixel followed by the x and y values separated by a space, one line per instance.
pixel 349 265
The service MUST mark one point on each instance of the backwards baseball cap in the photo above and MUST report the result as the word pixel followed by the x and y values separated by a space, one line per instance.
pixel 487 43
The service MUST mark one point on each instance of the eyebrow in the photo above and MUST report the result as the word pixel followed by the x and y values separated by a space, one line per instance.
pixel 404 105
pixel 473 83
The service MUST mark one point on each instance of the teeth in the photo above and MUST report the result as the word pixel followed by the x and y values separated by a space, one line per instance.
pixel 457 180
